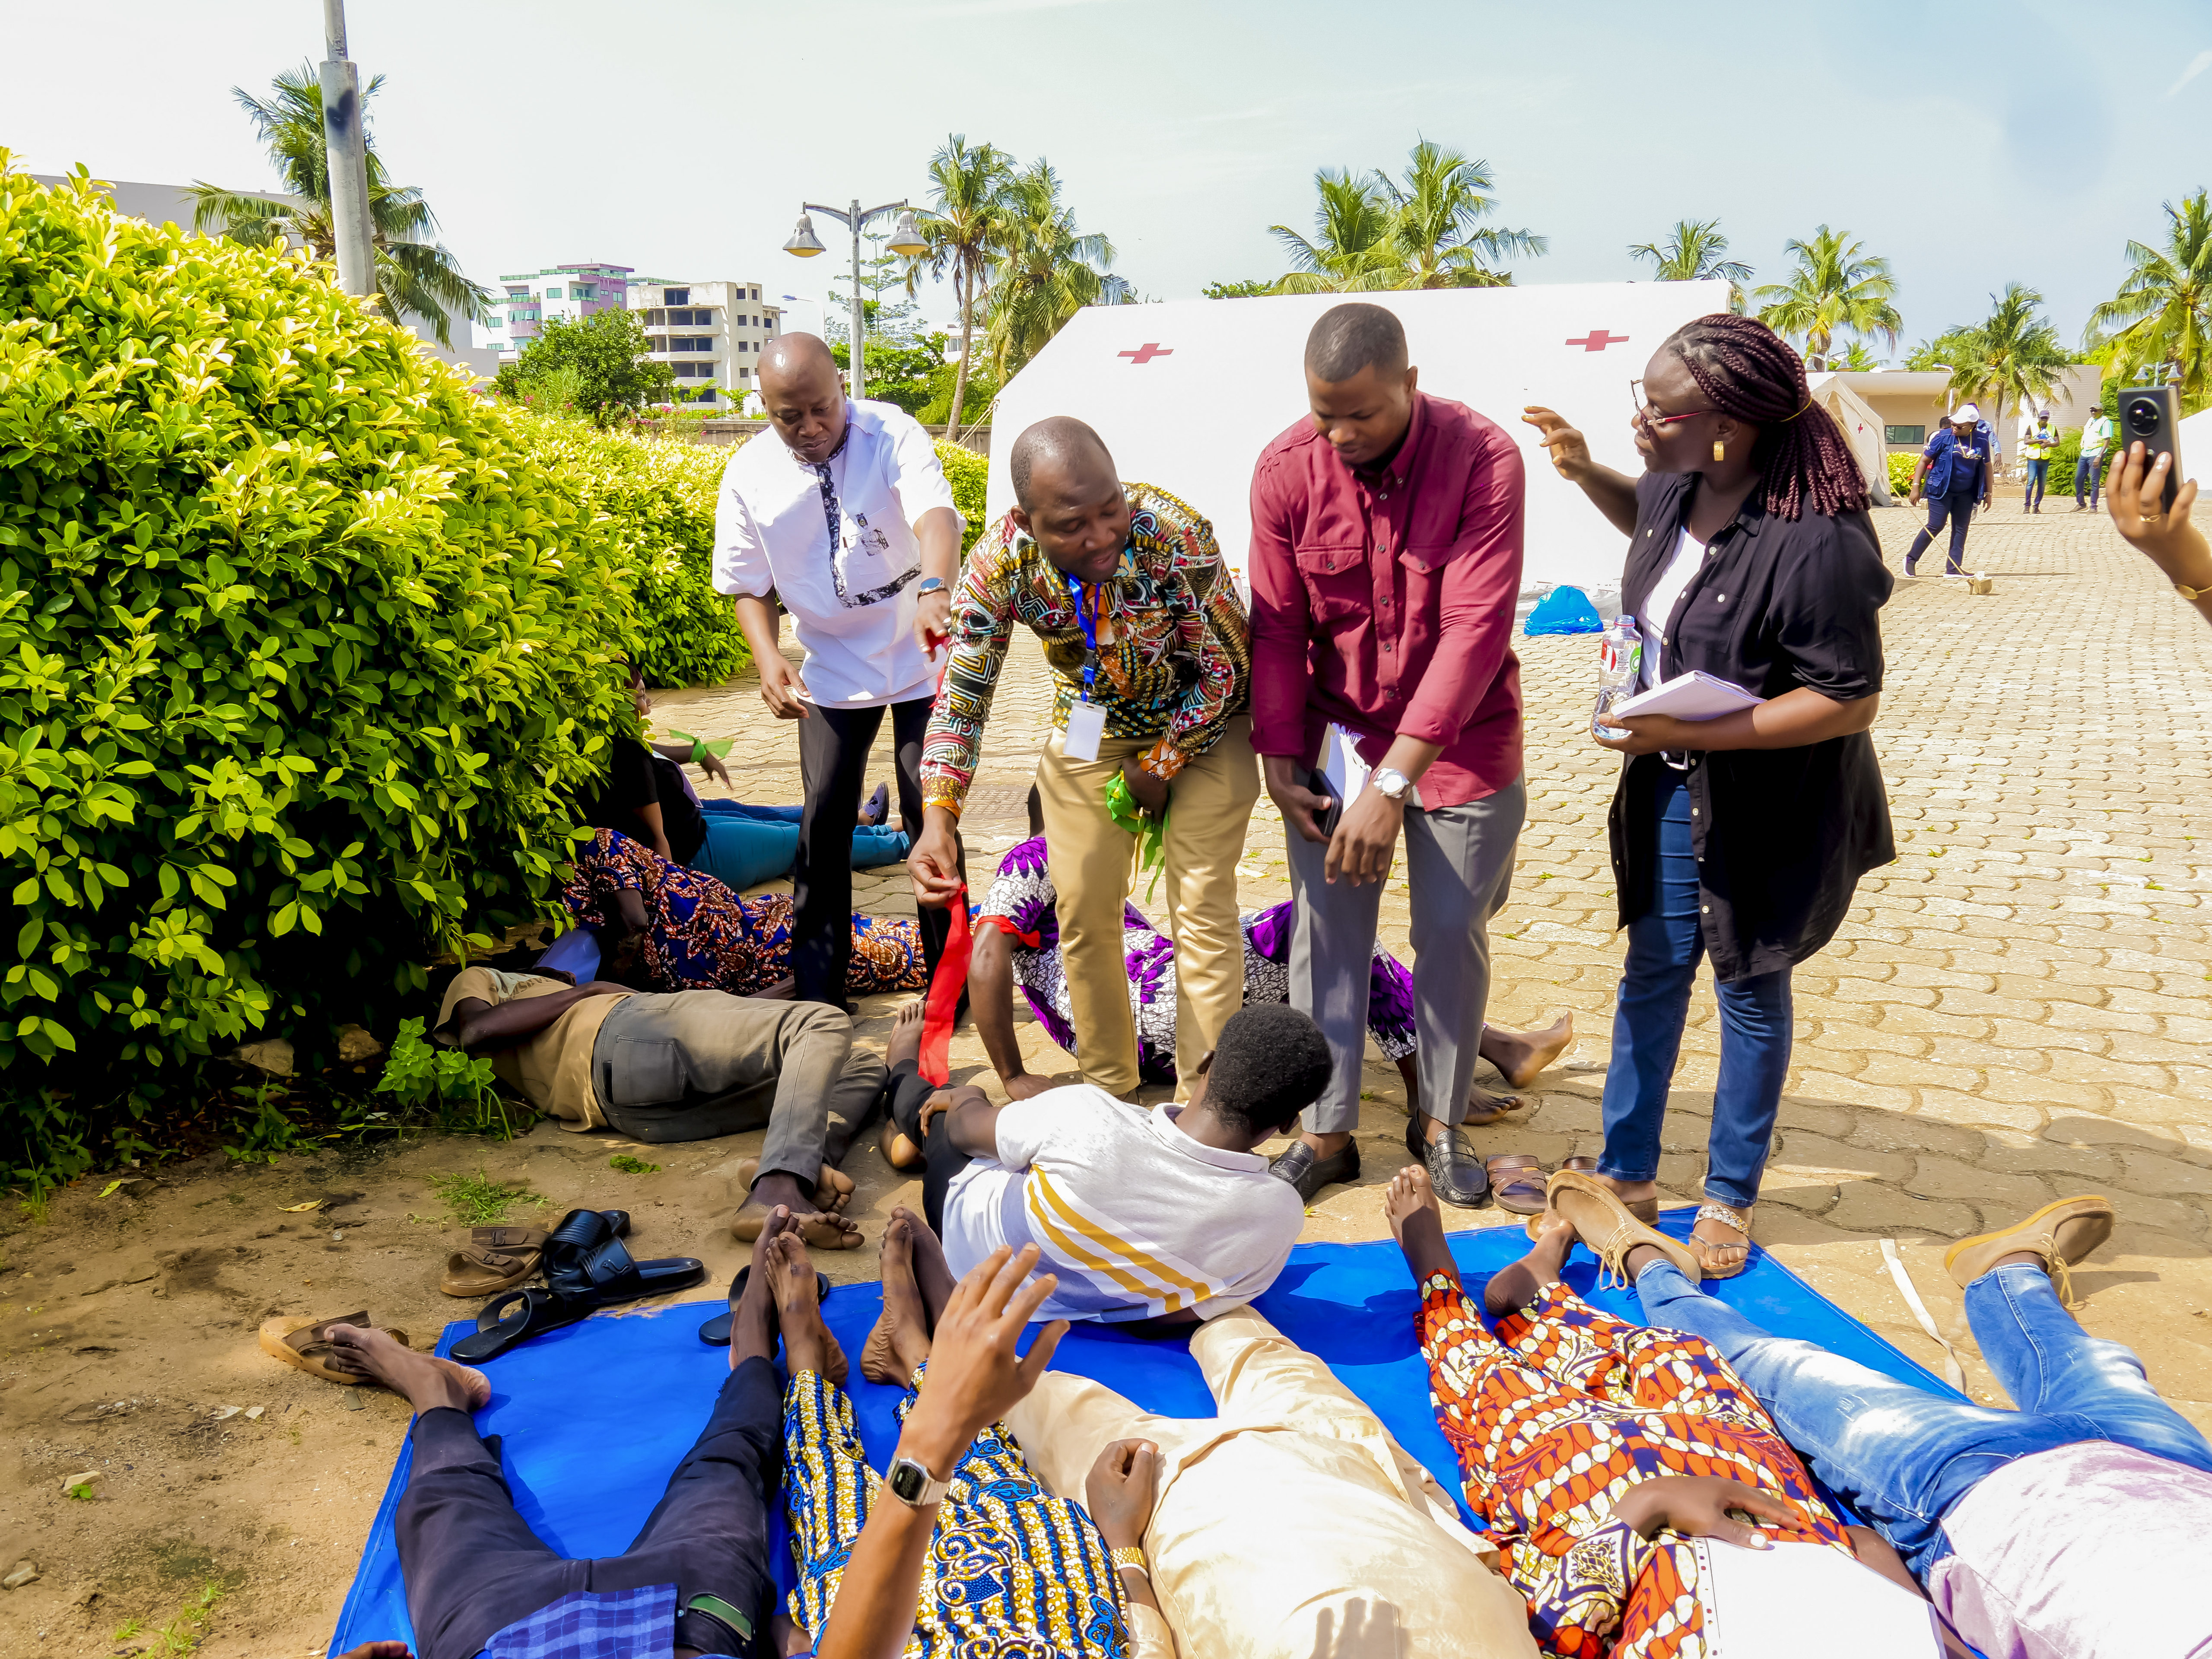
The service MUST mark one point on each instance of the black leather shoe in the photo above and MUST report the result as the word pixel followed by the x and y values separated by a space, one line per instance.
pixel 1308 1172
pixel 1454 1169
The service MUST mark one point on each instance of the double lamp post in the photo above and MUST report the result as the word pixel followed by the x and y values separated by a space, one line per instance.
pixel 905 241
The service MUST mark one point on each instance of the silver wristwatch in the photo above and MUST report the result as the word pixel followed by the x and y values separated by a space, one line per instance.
pixel 914 1486
pixel 1391 783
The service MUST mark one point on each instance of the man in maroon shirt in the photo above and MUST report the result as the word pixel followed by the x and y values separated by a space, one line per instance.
pixel 1386 561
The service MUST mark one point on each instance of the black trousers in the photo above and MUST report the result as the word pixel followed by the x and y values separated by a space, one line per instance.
pixel 833 765
pixel 904 1092
pixel 1958 507
pixel 473 1567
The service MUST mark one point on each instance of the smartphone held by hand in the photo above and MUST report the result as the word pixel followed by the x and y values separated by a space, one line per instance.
pixel 2151 415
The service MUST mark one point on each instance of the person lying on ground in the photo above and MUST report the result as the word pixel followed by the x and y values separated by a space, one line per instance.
pixel 663 927
pixel 645 795
pixel 683 1066
pixel 1366 1557
pixel 2073 1526
pixel 958 1551
pixel 2168 537
pixel 696 1581
pixel 1151 1220
pixel 1017 943
pixel 1610 1462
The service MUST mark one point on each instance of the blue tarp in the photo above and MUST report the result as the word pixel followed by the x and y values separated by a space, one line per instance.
pixel 594 1417
pixel 1563 610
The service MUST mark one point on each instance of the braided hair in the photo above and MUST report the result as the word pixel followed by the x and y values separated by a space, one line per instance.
pixel 1747 370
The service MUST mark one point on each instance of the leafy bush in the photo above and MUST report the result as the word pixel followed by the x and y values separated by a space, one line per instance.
pixel 1902 463
pixel 600 367
pixel 303 647
pixel 969 474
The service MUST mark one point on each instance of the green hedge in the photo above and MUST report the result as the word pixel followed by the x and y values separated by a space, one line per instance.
pixel 303 645
pixel 1901 467
pixel 968 473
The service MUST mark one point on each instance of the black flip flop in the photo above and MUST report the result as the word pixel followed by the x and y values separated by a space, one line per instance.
pixel 497 1330
pixel 715 1333
pixel 581 1286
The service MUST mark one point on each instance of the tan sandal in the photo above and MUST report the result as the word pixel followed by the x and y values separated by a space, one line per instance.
pixel 1645 1210
pixel 496 1258
pixel 1603 1223
pixel 305 1348
pixel 1728 1216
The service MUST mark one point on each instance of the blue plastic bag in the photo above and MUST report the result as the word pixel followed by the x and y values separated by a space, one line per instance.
pixel 1563 610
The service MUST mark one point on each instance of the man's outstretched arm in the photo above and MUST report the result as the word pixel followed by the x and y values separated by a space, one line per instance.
pixel 478 1027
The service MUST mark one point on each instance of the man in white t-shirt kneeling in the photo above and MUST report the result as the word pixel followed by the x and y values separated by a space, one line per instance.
pixel 1158 1218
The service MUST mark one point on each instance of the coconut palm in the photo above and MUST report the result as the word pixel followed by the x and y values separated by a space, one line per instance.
pixel 2014 353
pixel 2163 311
pixel 1434 237
pixel 968 189
pixel 1043 269
pixel 413 273
pixel 1836 286
pixel 1693 253
pixel 1351 252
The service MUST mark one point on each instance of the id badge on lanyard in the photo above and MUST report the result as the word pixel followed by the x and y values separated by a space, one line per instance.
pixel 1086 721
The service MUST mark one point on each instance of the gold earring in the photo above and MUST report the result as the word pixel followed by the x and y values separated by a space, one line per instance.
pixel 1720 450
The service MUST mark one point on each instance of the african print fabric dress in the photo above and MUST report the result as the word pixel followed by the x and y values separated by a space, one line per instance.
pixel 1013 1572
pixel 701 936
pixel 1563 1410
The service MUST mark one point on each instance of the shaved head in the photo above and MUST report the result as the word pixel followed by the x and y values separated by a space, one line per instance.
pixel 1351 337
pixel 804 398
pixel 796 354
pixel 1054 443
pixel 1069 498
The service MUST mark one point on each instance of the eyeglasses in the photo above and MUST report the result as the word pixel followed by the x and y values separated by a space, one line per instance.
pixel 1647 414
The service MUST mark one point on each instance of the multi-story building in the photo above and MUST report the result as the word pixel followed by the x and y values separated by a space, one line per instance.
pixel 531 298
pixel 709 334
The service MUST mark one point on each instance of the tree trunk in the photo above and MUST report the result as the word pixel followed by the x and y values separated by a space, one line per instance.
pixel 966 283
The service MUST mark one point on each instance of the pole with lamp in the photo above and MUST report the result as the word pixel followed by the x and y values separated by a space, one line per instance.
pixel 905 241
pixel 345 153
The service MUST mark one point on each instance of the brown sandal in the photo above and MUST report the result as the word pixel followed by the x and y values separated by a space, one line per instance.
pixel 1605 1225
pixel 1645 1210
pixel 497 1259
pixel 1516 1183
pixel 1728 1216
pixel 305 1348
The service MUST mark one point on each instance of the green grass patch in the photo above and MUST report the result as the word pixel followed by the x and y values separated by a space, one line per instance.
pixel 628 1165
pixel 478 1200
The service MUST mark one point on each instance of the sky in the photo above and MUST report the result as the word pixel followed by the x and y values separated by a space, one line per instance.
pixel 1971 146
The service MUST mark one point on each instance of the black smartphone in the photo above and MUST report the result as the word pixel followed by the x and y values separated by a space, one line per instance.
pixel 1319 783
pixel 2151 415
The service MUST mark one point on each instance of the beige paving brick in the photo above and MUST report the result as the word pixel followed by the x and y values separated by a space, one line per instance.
pixel 1868 1207
pixel 2172 1177
pixel 1976 1184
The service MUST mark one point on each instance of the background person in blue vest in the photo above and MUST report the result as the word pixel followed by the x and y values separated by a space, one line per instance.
pixel 1957 466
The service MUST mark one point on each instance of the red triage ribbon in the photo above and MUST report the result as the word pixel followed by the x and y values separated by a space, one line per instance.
pixel 944 997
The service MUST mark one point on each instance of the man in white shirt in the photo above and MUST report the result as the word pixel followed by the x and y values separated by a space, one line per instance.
pixel 846 517
pixel 2089 468
pixel 1157 1218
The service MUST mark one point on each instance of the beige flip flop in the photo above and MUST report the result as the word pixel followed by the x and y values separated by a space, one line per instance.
pixel 305 1348
pixel 496 1258
pixel 1603 1223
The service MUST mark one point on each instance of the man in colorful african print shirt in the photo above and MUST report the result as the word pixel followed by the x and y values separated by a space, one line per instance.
pixel 1610 1462
pixel 1151 656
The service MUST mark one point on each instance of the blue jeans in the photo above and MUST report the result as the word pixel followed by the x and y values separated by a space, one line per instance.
pixel 2038 474
pixel 1664 947
pixel 2088 477
pixel 1957 508
pixel 1904 1457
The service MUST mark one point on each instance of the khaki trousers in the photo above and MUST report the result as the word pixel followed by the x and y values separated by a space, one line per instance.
pixel 1209 809
pixel 1349 1549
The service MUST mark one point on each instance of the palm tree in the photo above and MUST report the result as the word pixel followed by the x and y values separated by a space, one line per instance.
pixel 1834 286
pixel 1693 253
pixel 2014 353
pixel 969 189
pixel 1435 238
pixel 1351 251
pixel 1855 359
pixel 1044 269
pixel 413 273
pixel 2163 311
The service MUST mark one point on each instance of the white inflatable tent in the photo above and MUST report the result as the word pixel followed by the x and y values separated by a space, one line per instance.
pixel 1187 393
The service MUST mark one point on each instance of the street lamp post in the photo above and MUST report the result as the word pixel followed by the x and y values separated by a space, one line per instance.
pixel 905 239
pixel 345 153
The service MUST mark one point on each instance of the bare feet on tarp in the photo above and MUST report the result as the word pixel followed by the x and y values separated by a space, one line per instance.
pixel 932 1271
pixel 900 1341
pixel 1514 1284
pixel 428 1382
pixel 797 1303
pixel 1410 1204
pixel 753 1329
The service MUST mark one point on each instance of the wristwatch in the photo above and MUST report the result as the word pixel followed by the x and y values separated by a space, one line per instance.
pixel 1390 783
pixel 930 585
pixel 914 1486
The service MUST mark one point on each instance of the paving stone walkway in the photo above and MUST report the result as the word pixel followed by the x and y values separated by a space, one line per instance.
pixel 2018 1009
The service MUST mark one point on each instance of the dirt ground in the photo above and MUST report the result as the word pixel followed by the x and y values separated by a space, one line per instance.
pixel 2016 1010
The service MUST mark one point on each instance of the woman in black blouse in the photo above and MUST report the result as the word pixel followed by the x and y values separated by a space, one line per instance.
pixel 1741 838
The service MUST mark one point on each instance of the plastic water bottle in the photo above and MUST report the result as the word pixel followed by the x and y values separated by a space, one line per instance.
pixel 1619 669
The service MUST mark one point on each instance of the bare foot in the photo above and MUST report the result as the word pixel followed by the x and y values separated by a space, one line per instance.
pixel 905 1040
pixel 428 1382
pixel 797 1304
pixel 1483 1108
pixel 932 1274
pixel 900 1341
pixel 825 1230
pixel 1515 1284
pixel 833 1188
pixel 1410 1204
pixel 752 1322
pixel 1520 1055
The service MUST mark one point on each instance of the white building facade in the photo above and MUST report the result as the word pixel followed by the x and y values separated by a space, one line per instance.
pixel 709 334
pixel 527 300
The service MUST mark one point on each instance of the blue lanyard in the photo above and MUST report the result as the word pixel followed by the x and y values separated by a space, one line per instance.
pixel 1089 625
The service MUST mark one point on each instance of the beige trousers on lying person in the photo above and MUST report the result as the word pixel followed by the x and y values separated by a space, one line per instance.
pixel 1292 1526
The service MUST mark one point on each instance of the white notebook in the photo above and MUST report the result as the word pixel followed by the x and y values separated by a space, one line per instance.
pixel 1696 695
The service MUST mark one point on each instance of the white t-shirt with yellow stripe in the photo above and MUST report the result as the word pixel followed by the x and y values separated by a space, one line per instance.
pixel 1136 1217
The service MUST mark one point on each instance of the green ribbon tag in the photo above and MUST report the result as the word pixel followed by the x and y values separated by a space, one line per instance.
pixel 1151 832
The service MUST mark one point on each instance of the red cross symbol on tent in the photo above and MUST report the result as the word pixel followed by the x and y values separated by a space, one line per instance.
pixel 1597 340
pixel 1145 353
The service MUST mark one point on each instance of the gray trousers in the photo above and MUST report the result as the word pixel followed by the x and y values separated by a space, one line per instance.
pixel 687 1065
pixel 1459 868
